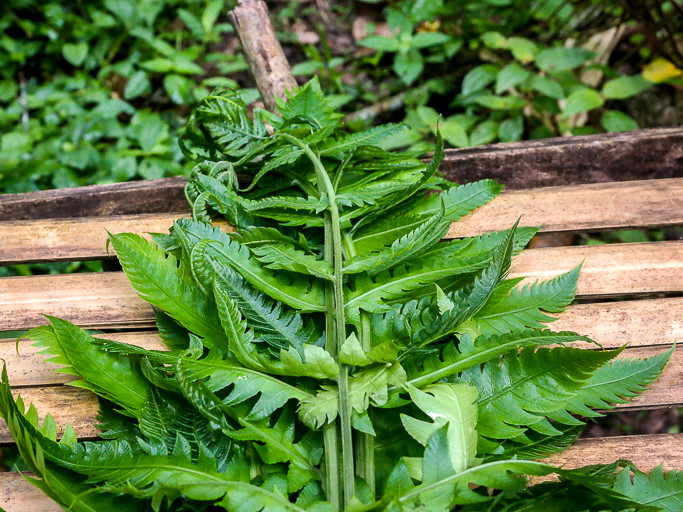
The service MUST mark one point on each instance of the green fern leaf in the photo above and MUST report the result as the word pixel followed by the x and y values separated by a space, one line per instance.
pixel 459 201
pixel 617 381
pixel 407 247
pixel 513 394
pixel 524 307
pixel 297 294
pixel 372 137
pixel 115 378
pixel 663 491
pixel 157 279
pixel 281 256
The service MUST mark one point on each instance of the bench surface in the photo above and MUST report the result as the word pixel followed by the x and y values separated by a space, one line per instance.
pixel 646 277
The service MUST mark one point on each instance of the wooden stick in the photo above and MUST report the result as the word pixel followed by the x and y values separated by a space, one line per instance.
pixel 262 50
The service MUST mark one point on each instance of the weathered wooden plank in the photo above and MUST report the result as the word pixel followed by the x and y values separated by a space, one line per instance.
pixel 107 300
pixel 611 270
pixel 634 322
pixel 18 495
pixel 560 209
pixel 594 207
pixel 645 451
pixel 625 156
pixel 637 155
pixel 641 323
pixel 89 300
pixel 75 239
pixel 78 407
pixel 135 197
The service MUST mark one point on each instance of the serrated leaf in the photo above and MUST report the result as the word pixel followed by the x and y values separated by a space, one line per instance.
pixel 452 406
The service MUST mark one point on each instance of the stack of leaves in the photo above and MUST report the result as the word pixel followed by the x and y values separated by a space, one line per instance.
pixel 332 353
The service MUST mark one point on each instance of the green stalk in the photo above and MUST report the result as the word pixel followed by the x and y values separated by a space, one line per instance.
pixel 365 445
pixel 333 227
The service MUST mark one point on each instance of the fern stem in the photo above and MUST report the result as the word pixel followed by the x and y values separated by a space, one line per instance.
pixel 333 228
pixel 365 445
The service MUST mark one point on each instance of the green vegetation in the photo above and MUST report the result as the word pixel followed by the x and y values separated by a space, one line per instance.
pixel 97 91
pixel 332 353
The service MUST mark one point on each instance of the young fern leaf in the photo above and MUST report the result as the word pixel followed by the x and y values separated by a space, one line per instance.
pixel 617 381
pixel 297 294
pixel 513 393
pixel 524 307
pixel 110 376
pixel 156 278
pixel 661 490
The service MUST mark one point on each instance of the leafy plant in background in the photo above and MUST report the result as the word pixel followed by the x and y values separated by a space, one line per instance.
pixel 95 91
pixel 515 77
pixel 332 353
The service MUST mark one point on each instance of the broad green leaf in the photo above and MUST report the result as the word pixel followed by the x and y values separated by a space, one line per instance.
pixel 478 78
pixel 625 87
pixel 522 49
pixel 380 43
pixel 137 85
pixel 500 102
pixel 616 121
pixel 510 76
pixel 582 100
pixel 452 406
pixel 563 59
pixel 75 54
pixel 409 65
pixel 546 85
pixel 352 352
pixel 426 39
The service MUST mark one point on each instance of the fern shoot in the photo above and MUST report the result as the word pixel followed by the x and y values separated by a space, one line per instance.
pixel 331 352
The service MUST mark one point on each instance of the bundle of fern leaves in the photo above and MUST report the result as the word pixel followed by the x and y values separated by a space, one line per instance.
pixel 326 350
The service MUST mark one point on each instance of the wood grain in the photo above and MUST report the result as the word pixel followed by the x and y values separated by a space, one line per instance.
pixel 107 300
pixel 646 451
pixel 18 495
pixel 76 239
pixel 162 195
pixel 582 208
pixel 89 300
pixel 610 270
pixel 625 156
pixel 559 209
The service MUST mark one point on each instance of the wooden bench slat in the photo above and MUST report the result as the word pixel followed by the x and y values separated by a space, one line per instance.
pixel 639 323
pixel 107 299
pixel 645 451
pixel 78 407
pixel 594 207
pixel 560 209
pixel 18 495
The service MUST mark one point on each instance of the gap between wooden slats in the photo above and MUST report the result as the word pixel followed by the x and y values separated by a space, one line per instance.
pixel 560 209
pixel 646 451
pixel 640 323
pixel 107 299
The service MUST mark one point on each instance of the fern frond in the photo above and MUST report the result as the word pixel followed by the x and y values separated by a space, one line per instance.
pixel 661 490
pixel 109 375
pixel 157 279
pixel 524 306
pixel 280 256
pixel 617 381
pixel 298 293
pixel 514 392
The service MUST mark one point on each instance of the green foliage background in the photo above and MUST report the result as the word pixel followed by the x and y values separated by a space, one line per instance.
pixel 96 91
